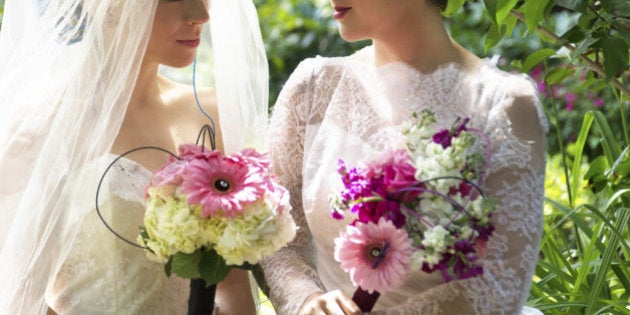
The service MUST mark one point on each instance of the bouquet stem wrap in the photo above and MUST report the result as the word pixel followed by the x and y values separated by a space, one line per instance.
pixel 201 300
pixel 365 300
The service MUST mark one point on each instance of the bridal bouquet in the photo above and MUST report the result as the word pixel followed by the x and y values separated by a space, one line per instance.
pixel 418 208
pixel 207 212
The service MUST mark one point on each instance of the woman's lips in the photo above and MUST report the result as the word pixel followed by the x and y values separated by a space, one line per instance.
pixel 192 43
pixel 340 12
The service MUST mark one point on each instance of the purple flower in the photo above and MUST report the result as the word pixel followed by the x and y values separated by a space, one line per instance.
pixel 570 99
pixel 394 173
pixel 374 211
pixel 464 261
pixel 458 265
pixel 485 231
pixel 444 136
pixel 463 189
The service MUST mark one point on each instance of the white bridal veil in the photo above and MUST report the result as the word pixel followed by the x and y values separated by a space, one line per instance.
pixel 67 70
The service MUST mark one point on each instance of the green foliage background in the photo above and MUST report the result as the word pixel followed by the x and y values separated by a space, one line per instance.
pixel 577 51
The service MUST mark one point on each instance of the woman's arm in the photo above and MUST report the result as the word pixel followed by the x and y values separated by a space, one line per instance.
pixel 291 273
pixel 234 294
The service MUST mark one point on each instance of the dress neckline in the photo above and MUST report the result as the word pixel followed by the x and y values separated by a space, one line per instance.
pixel 362 58
pixel 122 161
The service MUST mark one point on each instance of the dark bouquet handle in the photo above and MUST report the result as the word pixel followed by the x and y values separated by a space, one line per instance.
pixel 201 300
pixel 364 299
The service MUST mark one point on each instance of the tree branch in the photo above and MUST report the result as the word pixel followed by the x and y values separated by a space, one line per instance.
pixel 595 66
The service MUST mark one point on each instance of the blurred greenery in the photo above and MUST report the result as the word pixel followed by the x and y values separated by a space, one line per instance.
pixel 294 30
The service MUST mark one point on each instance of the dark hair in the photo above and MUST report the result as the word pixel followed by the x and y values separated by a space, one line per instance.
pixel 440 3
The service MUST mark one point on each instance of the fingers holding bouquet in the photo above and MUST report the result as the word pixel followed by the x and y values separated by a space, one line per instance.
pixel 329 303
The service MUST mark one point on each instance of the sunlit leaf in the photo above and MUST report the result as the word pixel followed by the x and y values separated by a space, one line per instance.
pixel 493 37
pixel 536 57
pixel 579 149
pixel 534 12
pixel 558 75
pixel 453 6
pixel 491 7
pixel 503 9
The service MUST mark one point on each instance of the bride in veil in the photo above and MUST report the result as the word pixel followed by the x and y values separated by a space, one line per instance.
pixel 79 84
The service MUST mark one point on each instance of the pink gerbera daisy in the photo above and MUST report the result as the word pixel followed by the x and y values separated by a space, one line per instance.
pixel 377 256
pixel 221 184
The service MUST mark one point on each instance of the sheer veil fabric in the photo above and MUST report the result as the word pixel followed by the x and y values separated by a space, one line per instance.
pixel 67 71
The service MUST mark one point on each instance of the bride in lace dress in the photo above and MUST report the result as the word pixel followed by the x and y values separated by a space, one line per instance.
pixel 80 85
pixel 351 108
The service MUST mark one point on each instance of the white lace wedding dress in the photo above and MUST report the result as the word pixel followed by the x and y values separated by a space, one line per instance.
pixel 102 274
pixel 334 108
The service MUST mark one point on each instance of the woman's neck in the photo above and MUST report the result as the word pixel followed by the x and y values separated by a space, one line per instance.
pixel 147 89
pixel 424 44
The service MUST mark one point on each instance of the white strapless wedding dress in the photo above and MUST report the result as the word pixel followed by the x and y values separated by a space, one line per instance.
pixel 104 275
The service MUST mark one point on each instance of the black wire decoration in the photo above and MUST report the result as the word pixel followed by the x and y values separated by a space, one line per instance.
pixel 206 132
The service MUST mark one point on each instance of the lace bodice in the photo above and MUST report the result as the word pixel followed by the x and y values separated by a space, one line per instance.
pixel 104 275
pixel 334 108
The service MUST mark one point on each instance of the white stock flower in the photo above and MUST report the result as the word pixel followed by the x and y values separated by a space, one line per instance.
pixel 437 238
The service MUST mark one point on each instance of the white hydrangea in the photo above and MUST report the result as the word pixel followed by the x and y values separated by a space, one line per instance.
pixel 260 231
pixel 171 226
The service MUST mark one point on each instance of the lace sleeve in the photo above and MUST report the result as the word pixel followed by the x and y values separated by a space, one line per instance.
pixel 516 179
pixel 296 261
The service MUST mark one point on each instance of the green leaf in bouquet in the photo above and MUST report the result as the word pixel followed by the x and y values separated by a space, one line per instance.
pixel 212 267
pixel 186 265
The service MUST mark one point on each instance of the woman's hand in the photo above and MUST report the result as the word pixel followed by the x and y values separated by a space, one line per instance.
pixel 330 303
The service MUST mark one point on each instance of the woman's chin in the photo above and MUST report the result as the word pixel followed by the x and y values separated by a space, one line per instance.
pixel 180 63
pixel 349 35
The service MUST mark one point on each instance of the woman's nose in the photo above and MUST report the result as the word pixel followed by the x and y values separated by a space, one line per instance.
pixel 197 12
